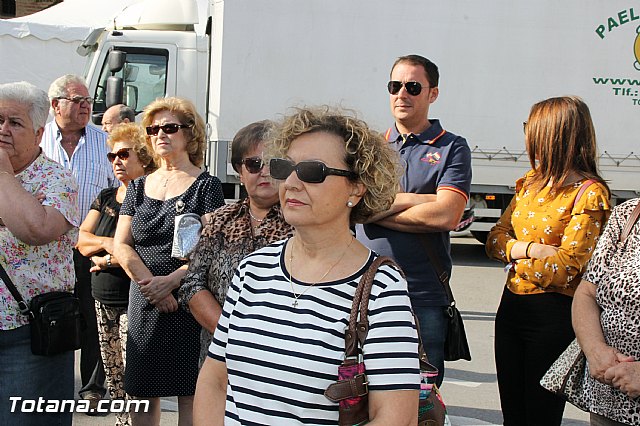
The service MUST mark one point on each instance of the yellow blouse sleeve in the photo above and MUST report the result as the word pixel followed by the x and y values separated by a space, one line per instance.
pixel 502 236
pixel 581 234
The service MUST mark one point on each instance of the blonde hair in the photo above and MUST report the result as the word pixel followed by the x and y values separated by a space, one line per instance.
pixel 185 110
pixel 133 133
pixel 366 153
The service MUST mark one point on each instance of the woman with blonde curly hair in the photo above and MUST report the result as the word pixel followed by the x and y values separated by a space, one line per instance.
pixel 130 158
pixel 280 338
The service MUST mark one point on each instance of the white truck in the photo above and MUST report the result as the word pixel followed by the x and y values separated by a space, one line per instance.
pixel 247 60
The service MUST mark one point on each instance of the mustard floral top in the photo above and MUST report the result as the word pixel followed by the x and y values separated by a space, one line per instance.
pixel 554 218
pixel 48 267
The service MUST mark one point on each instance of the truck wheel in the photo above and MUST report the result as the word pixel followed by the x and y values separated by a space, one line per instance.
pixel 480 236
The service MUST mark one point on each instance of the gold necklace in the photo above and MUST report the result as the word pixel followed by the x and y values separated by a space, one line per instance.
pixel 297 296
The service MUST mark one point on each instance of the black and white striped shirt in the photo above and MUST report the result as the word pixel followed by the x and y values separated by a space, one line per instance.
pixel 280 359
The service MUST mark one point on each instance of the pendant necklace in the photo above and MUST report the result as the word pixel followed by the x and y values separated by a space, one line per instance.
pixel 297 296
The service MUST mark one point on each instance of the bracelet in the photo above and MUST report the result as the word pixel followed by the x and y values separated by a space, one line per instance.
pixel 526 251
pixel 4 172
pixel 108 257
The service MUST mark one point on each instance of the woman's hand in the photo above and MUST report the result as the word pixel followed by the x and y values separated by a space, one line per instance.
pixel 99 263
pixel 155 289
pixel 625 376
pixel 602 359
pixel 540 251
pixel 168 304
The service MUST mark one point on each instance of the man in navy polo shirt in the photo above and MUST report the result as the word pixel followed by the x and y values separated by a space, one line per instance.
pixel 435 185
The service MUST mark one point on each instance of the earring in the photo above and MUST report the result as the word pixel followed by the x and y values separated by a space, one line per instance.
pixel 349 203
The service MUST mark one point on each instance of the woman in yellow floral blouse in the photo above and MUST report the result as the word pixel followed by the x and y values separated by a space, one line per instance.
pixel 545 237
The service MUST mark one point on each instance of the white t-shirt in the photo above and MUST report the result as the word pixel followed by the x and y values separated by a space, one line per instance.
pixel 280 359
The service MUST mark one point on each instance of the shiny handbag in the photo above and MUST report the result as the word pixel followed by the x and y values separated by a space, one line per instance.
pixel 351 391
pixel 566 376
pixel 186 232
pixel 55 318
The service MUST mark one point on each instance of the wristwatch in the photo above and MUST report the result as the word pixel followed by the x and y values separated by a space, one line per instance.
pixel 108 257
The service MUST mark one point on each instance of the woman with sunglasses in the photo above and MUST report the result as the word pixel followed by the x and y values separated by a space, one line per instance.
pixel 232 232
pixel 545 237
pixel 280 338
pixel 164 340
pixel 130 158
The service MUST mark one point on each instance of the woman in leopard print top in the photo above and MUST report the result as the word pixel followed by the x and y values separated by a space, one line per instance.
pixel 232 232
pixel 606 319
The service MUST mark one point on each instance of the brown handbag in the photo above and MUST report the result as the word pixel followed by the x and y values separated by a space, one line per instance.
pixel 351 390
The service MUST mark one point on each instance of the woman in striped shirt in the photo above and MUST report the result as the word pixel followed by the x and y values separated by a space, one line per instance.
pixel 280 338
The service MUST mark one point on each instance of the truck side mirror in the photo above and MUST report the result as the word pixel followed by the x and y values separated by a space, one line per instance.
pixel 117 59
pixel 115 90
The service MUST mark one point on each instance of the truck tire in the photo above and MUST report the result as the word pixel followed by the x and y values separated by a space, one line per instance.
pixel 480 236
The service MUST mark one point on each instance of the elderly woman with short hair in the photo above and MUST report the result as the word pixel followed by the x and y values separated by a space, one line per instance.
pixel 280 338
pixel 232 232
pixel 164 340
pixel 39 215
pixel 131 158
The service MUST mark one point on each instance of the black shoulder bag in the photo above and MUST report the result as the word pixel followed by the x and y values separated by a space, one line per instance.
pixel 55 318
pixel 456 345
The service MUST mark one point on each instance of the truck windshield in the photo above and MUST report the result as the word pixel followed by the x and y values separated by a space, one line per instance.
pixel 144 74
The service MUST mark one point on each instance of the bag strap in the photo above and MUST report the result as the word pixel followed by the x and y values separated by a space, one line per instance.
pixel 24 308
pixel 633 218
pixel 357 331
pixel 583 188
pixel 358 327
pixel 442 273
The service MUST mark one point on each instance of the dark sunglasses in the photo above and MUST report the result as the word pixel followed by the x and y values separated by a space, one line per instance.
pixel 169 128
pixel 413 87
pixel 253 164
pixel 78 99
pixel 122 154
pixel 307 171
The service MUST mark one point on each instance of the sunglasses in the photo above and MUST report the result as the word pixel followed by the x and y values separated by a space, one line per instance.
pixel 78 99
pixel 169 128
pixel 413 87
pixel 253 164
pixel 122 154
pixel 307 171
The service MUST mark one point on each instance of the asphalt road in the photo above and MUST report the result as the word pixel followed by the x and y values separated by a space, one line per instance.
pixel 470 388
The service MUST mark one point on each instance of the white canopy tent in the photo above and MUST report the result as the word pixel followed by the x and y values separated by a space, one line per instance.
pixel 41 47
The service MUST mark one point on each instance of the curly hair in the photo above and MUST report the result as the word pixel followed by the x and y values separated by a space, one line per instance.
pixel 185 110
pixel 132 132
pixel 366 153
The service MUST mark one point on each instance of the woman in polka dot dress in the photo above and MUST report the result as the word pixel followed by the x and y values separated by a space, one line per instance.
pixel 163 342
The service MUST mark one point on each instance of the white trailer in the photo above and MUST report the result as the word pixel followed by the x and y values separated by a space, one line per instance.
pixel 247 60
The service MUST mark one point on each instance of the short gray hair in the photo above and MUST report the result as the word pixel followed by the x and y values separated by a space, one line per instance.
pixel 59 86
pixel 27 94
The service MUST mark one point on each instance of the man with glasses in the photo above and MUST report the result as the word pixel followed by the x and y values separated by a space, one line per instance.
pixel 82 149
pixel 435 189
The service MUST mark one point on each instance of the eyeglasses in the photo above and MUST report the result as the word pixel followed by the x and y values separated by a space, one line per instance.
pixel 524 127
pixel 169 128
pixel 78 99
pixel 122 154
pixel 253 164
pixel 413 87
pixel 308 171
